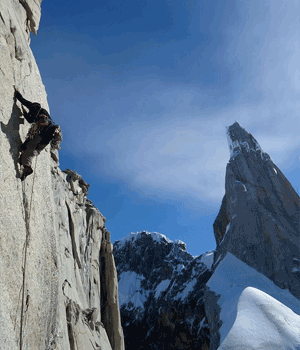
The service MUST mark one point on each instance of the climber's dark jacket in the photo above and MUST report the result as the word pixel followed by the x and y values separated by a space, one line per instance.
pixel 46 132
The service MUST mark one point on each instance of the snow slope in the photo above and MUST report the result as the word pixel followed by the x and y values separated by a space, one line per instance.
pixel 263 322
pixel 131 291
pixel 255 313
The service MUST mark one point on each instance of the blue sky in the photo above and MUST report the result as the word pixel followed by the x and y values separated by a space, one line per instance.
pixel 143 92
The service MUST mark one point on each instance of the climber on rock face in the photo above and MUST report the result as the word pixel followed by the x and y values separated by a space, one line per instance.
pixel 42 131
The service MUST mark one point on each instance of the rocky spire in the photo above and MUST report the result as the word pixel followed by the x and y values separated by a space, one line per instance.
pixel 259 217
pixel 239 140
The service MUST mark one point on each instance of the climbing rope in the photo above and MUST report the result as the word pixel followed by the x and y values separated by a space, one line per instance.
pixel 27 223
pixel 25 259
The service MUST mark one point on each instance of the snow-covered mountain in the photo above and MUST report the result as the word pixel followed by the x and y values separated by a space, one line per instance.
pixel 259 217
pixel 161 289
pixel 252 298
pixel 243 295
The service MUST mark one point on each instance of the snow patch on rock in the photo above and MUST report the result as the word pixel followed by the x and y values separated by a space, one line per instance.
pixel 230 279
pixel 130 290
pixel 188 288
pixel 207 259
pixel 162 286
pixel 235 147
pixel 134 236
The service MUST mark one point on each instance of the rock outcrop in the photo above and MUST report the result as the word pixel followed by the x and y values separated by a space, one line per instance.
pixel 257 235
pixel 161 292
pixel 259 217
pixel 58 285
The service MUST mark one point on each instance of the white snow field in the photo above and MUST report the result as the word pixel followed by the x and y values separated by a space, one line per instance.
pixel 255 313
pixel 208 259
pixel 161 287
pixel 130 289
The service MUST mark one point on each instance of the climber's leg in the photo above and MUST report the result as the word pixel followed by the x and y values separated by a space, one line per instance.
pixel 27 171
pixel 28 154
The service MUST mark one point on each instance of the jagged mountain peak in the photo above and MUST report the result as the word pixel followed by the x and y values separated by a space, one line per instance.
pixel 259 214
pixel 144 236
pixel 161 284
pixel 258 226
pixel 145 252
pixel 239 141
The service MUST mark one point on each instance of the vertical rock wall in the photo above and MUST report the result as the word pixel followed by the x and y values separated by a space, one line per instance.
pixel 88 286
pixel 258 223
pixel 58 301
pixel 110 298
pixel 259 217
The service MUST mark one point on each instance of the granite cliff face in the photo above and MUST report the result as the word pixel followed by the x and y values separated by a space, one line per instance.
pixel 58 285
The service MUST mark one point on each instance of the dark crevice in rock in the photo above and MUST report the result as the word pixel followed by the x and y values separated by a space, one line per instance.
pixel 103 287
pixel 30 20
pixel 63 286
pixel 221 222
pixel 19 55
pixel 2 18
pixel 72 234
pixel 72 316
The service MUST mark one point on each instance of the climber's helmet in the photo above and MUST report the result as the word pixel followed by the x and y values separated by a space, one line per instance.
pixel 42 120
